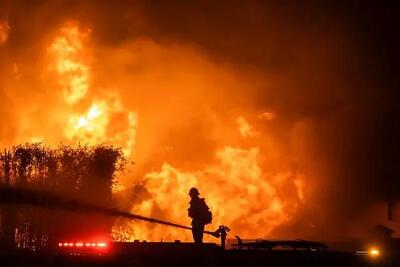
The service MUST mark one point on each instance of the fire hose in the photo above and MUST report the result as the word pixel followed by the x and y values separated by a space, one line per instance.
pixel 25 196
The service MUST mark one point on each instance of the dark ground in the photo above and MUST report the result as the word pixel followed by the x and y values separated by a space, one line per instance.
pixel 187 254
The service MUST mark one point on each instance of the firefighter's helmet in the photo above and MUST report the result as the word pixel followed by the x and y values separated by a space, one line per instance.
pixel 193 192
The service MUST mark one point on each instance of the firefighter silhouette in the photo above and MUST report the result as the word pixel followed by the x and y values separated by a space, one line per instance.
pixel 200 214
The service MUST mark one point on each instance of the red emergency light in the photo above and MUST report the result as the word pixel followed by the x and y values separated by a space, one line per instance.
pixel 99 245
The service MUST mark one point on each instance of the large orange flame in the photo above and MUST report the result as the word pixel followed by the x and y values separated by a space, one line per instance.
pixel 71 61
pixel 240 188
pixel 235 188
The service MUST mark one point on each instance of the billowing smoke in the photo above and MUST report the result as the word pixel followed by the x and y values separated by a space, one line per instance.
pixel 284 115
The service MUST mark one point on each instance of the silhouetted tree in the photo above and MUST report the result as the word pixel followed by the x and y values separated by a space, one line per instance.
pixel 81 172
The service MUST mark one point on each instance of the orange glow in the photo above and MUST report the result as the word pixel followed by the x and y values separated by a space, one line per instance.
pixel 70 63
pixel 248 197
pixel 93 126
pixel 89 127
pixel 70 59
pixel 267 116
pixel 4 31
pixel 245 129
pixel 374 252
pixel 156 102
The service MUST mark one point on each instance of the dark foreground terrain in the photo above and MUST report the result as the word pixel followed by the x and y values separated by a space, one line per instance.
pixel 186 254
